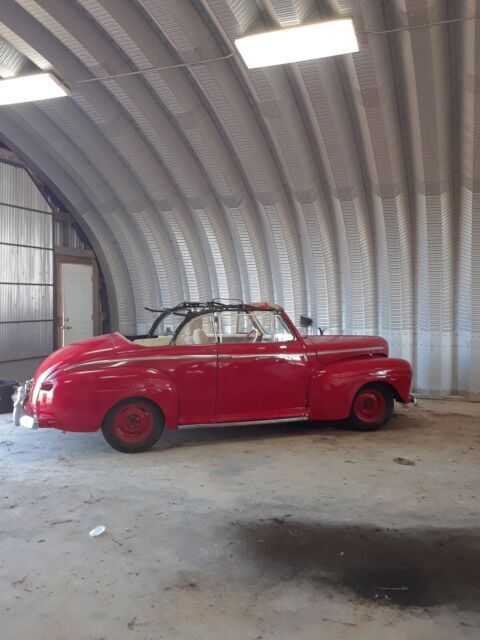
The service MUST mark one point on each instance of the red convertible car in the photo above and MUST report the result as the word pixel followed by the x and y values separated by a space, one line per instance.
pixel 209 364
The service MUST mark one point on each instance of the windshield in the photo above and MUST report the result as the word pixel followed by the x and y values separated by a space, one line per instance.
pixel 196 323
pixel 253 326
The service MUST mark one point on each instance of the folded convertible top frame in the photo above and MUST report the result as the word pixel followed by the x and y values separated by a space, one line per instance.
pixel 212 305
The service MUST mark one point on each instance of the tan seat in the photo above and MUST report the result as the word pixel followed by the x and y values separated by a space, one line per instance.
pixel 185 336
pixel 199 336
pixel 160 341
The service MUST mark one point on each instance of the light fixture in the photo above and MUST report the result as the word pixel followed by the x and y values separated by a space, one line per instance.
pixel 294 44
pixel 39 86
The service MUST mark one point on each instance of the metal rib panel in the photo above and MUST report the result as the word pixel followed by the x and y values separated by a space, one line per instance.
pixel 141 107
pixel 291 13
pixel 466 42
pixel 123 186
pixel 347 188
pixel 220 88
pixel 11 61
pixel 425 99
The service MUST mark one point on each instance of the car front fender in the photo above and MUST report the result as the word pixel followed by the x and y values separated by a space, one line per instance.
pixel 332 388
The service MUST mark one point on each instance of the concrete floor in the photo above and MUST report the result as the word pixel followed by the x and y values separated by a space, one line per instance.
pixel 245 533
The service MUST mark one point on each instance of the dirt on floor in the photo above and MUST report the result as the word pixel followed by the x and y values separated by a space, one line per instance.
pixel 282 531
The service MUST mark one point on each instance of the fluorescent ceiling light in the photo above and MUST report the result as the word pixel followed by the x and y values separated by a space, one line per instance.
pixel 40 86
pixel 294 44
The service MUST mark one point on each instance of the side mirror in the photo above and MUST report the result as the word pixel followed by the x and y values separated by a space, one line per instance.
pixel 305 322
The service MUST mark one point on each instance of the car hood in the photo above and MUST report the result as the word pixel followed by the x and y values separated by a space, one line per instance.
pixel 330 348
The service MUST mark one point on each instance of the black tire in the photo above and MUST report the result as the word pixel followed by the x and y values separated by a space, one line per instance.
pixel 372 407
pixel 133 425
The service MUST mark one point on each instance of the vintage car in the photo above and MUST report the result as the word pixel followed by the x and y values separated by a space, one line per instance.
pixel 211 364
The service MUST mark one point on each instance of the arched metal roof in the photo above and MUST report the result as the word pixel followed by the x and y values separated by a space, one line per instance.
pixel 344 188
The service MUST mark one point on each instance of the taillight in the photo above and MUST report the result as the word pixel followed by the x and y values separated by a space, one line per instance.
pixel 46 386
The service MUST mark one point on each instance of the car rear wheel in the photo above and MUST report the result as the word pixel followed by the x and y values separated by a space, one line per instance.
pixel 133 425
pixel 372 407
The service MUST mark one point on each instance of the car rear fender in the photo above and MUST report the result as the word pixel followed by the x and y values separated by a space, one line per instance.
pixel 152 385
pixel 333 387
pixel 83 395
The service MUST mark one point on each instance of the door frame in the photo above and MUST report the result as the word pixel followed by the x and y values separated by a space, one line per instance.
pixel 73 258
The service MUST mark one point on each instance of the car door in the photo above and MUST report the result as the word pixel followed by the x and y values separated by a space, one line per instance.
pixel 192 364
pixel 261 373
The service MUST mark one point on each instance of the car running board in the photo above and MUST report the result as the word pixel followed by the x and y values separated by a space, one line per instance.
pixel 244 423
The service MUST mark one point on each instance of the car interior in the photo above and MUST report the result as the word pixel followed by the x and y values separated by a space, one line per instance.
pixel 231 325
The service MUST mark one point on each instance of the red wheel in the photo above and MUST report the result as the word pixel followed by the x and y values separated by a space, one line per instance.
pixel 133 425
pixel 372 407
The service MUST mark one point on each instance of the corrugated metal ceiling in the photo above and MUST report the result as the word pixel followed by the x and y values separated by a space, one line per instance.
pixel 345 188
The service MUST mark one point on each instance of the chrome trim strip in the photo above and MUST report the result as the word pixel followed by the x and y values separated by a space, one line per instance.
pixel 301 418
pixel 203 356
pixel 369 349
pixel 120 361
pixel 285 356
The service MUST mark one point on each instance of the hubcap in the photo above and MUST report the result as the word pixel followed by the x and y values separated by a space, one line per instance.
pixel 370 406
pixel 133 423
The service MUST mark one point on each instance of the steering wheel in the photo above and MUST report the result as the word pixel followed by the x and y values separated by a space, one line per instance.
pixel 252 335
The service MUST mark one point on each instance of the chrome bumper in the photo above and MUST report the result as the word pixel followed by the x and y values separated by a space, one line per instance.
pixel 20 418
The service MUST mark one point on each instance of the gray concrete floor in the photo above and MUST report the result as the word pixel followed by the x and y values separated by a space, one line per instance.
pixel 245 533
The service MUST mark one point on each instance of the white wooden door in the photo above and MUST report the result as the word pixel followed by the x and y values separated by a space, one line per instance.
pixel 76 303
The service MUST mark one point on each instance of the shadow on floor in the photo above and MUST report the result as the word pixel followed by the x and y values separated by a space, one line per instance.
pixel 408 567
pixel 93 443
pixel 196 435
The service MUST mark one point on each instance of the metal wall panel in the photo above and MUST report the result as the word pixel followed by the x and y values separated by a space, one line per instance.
pixel 24 340
pixel 26 273
pixel 22 226
pixel 19 189
pixel 32 302
pixel 20 369
pixel 65 234
pixel 25 265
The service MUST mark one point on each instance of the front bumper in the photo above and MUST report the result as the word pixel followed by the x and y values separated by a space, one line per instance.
pixel 29 422
pixel 20 418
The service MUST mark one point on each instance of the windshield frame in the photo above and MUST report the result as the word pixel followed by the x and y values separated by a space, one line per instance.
pixel 192 310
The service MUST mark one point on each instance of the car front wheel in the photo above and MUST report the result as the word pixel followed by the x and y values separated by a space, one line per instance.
pixel 372 407
pixel 133 425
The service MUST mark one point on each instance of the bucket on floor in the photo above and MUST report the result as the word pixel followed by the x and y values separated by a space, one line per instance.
pixel 7 388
